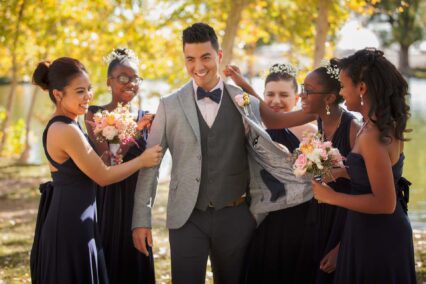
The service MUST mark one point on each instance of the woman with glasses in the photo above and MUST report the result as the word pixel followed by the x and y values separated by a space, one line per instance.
pixel 320 96
pixel 115 202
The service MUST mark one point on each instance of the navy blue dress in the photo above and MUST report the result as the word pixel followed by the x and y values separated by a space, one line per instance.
pixel 376 248
pixel 330 220
pixel 66 246
pixel 280 250
pixel 124 262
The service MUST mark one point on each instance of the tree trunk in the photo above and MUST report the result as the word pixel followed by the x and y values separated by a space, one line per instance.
pixel 23 159
pixel 404 62
pixel 9 103
pixel 321 28
pixel 234 18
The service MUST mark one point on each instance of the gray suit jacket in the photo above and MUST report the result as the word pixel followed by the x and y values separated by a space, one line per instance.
pixel 176 128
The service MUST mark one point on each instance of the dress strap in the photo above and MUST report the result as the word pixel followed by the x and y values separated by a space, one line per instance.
pixel 54 119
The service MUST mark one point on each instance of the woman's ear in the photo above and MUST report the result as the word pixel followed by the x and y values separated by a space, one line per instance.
pixel 58 95
pixel 362 88
pixel 330 99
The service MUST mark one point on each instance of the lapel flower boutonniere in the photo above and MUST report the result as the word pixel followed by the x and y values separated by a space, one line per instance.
pixel 243 100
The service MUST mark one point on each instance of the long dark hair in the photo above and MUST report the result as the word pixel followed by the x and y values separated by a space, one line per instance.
pixel 57 75
pixel 386 88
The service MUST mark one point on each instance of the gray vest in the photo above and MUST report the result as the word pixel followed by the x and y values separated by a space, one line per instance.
pixel 224 167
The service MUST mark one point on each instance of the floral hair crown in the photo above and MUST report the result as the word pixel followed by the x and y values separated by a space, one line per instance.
pixel 121 54
pixel 283 68
pixel 332 70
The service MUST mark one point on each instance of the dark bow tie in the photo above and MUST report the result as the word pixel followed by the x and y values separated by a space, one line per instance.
pixel 213 95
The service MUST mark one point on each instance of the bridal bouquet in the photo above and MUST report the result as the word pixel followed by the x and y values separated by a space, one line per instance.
pixel 316 157
pixel 116 127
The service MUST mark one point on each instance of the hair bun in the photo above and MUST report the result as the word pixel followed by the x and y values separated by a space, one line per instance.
pixel 40 76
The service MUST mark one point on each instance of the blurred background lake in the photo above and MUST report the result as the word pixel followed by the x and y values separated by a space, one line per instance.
pixel 415 162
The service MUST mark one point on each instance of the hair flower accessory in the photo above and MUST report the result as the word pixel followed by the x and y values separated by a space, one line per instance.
pixel 243 100
pixel 284 68
pixel 332 70
pixel 121 54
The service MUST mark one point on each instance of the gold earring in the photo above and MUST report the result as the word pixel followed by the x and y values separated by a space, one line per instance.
pixel 362 100
pixel 327 109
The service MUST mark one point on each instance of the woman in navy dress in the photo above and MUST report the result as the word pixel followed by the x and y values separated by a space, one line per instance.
pixel 377 243
pixel 324 223
pixel 278 252
pixel 67 247
pixel 124 262
pixel 320 95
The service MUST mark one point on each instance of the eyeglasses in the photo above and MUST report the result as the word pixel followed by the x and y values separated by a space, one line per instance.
pixel 123 79
pixel 303 91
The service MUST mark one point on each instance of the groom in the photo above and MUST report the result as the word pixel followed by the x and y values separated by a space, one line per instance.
pixel 207 214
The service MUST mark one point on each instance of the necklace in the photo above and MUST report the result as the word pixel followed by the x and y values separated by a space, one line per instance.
pixel 362 127
pixel 338 125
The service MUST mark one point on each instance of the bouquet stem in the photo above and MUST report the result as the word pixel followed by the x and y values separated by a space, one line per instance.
pixel 114 147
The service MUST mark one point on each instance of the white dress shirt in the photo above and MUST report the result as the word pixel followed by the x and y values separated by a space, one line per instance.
pixel 207 107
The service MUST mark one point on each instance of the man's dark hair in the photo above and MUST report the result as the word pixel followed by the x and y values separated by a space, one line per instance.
pixel 200 33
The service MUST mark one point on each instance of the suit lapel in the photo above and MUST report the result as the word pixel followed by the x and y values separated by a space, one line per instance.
pixel 232 93
pixel 187 102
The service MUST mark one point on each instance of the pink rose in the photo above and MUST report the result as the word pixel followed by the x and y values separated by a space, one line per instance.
pixel 239 99
pixel 301 161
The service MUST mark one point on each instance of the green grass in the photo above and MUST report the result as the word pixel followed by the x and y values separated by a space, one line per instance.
pixel 18 208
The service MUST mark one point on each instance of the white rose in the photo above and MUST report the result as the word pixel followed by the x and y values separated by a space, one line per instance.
pixel 109 132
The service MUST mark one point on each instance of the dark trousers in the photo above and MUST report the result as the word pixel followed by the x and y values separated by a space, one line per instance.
pixel 221 234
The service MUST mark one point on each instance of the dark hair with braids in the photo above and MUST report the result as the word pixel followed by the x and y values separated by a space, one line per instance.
pixel 119 56
pixel 280 76
pixel 329 80
pixel 386 89
pixel 57 75
pixel 200 33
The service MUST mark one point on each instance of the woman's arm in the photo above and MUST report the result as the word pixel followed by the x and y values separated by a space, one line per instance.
pixel 271 119
pixel 66 140
pixel 382 200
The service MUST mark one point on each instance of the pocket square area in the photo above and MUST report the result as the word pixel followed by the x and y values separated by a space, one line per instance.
pixel 276 187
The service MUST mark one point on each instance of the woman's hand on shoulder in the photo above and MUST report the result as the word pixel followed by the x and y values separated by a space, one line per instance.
pixel 145 121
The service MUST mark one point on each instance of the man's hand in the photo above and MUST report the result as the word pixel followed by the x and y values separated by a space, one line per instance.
pixel 142 236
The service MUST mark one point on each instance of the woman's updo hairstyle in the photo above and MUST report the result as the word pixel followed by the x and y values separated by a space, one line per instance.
pixel 57 75
pixel 282 72
pixel 118 56
pixel 329 78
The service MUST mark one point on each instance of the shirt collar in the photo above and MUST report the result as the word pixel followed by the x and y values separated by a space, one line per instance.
pixel 219 85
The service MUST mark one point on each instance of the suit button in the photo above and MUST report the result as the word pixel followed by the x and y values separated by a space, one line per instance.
pixel 197 179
